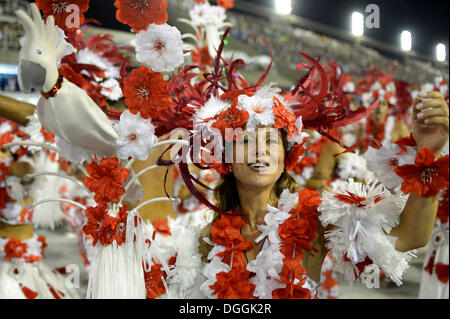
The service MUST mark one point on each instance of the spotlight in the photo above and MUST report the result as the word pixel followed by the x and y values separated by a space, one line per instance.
pixel 406 41
pixel 441 52
pixel 283 6
pixel 357 24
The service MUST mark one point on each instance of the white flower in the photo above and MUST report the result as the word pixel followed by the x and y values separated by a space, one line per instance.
pixel 86 56
pixel 383 162
pixel 302 178
pixel 259 110
pixel 111 89
pixel 161 47
pixel 204 14
pixel 353 165
pixel 211 108
pixel 216 15
pixel 199 14
pixel 300 137
pixel 136 136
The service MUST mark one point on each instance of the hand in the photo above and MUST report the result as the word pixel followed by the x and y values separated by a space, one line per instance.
pixel 430 121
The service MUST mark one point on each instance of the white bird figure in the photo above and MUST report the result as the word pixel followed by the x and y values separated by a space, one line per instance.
pixel 71 114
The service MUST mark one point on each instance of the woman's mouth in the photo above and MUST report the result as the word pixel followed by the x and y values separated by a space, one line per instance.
pixel 259 166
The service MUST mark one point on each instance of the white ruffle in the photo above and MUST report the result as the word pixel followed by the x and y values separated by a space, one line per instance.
pixel 360 232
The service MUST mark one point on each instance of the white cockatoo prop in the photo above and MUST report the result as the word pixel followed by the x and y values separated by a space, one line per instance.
pixel 71 115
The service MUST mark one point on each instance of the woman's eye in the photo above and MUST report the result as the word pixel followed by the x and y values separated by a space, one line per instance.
pixel 271 141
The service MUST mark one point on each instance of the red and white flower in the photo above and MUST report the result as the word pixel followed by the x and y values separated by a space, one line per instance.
pixel 206 114
pixel 160 47
pixel 259 110
pixel 111 89
pixel 136 136
pixel 427 176
pixel 384 161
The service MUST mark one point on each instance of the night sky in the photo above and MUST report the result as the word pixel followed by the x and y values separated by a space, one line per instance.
pixel 428 21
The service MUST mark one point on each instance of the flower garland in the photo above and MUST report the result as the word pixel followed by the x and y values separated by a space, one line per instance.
pixel 277 271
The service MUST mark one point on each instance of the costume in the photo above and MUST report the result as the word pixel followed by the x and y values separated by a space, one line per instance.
pixel 23 273
pixel 132 259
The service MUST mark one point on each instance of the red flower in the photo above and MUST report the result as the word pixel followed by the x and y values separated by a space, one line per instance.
pixel 293 156
pixel 106 179
pixel 146 92
pixel 15 248
pixel 234 284
pixel 106 228
pixel 427 176
pixel 140 14
pixel 154 284
pixel 57 8
pixel 283 118
pixel 406 141
pixel 94 225
pixel 69 73
pixel 201 57
pixel 226 4
pixel 232 118
pixel 442 272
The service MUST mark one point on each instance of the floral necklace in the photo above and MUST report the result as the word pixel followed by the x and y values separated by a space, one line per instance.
pixel 277 271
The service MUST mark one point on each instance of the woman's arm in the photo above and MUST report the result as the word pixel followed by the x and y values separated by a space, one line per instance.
pixel 430 130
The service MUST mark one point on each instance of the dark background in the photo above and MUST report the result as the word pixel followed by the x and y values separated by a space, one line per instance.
pixel 427 20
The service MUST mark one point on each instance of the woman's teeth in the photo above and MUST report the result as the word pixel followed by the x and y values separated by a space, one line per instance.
pixel 259 165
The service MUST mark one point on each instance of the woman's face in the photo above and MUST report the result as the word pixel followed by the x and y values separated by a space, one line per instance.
pixel 258 160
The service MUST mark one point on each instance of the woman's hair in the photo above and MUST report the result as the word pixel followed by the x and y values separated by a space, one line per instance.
pixel 226 195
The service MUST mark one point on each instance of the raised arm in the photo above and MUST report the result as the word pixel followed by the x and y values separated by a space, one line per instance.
pixel 430 130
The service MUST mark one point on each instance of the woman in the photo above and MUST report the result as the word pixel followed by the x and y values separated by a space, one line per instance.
pixel 251 186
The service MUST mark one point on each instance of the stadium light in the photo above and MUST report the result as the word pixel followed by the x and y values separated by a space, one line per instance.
pixel 283 6
pixel 357 24
pixel 441 52
pixel 406 41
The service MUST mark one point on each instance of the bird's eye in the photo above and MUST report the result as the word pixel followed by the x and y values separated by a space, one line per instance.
pixel 39 51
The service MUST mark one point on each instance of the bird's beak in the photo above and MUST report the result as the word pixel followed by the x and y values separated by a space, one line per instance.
pixel 31 76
